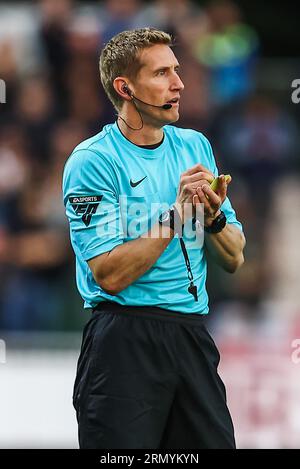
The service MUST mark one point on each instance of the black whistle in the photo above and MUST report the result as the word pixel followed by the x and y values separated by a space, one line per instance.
pixel 193 290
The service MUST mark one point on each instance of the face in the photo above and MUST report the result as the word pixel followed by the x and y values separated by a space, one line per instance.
pixel 158 83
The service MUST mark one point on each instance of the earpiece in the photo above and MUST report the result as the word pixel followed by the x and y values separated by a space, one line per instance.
pixel 126 89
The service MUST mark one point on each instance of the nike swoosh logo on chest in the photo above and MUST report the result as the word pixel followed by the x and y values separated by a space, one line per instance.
pixel 134 184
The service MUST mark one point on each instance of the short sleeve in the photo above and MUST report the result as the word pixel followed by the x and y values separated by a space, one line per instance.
pixel 92 206
pixel 226 206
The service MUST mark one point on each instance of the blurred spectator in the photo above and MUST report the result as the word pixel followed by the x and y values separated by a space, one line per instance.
pixel 84 36
pixel 169 15
pixel 36 256
pixel 35 113
pixel 195 109
pixel 116 16
pixel 34 245
pixel 229 49
pixel 55 19
pixel 14 162
pixel 86 101
pixel 20 51
pixel 8 73
pixel 258 140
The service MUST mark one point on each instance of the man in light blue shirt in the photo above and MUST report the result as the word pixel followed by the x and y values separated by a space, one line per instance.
pixel 141 210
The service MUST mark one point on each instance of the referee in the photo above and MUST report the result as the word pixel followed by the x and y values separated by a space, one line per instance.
pixel 141 212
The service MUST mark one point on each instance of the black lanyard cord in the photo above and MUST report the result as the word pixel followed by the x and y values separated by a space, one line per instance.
pixel 192 288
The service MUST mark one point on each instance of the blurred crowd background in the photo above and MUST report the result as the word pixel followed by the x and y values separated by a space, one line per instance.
pixel 49 54
pixel 238 62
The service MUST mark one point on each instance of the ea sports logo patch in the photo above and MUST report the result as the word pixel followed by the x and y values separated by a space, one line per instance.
pixel 85 205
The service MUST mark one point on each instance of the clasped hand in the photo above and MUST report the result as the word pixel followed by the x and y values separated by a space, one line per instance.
pixel 194 187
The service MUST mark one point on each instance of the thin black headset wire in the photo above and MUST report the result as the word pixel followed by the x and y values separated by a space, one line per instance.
pixel 129 126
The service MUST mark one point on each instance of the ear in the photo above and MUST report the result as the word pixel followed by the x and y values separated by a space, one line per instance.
pixel 122 88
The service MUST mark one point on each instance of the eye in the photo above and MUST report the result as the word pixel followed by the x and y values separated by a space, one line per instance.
pixel 161 72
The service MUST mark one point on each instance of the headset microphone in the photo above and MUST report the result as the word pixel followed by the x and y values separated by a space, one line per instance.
pixel 164 106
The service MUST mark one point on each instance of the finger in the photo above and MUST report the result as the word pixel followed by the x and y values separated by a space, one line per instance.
pixel 225 179
pixel 204 200
pixel 222 188
pixel 229 179
pixel 199 207
pixel 199 176
pixel 196 168
pixel 213 197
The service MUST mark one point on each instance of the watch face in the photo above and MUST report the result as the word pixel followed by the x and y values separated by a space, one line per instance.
pixel 165 216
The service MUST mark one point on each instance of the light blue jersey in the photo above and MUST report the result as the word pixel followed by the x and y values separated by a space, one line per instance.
pixel 114 191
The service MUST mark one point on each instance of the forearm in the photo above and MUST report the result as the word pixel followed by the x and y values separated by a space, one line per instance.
pixel 129 261
pixel 227 247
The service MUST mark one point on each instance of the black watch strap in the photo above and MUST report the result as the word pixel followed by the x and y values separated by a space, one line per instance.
pixel 217 225
pixel 172 219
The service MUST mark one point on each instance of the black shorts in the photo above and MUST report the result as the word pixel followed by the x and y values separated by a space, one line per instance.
pixel 147 378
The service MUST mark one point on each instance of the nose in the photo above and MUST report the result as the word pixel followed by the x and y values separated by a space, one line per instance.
pixel 177 83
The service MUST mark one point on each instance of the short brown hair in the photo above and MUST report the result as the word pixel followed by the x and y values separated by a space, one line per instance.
pixel 120 56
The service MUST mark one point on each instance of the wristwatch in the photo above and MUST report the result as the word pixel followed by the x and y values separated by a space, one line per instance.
pixel 171 219
pixel 217 225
